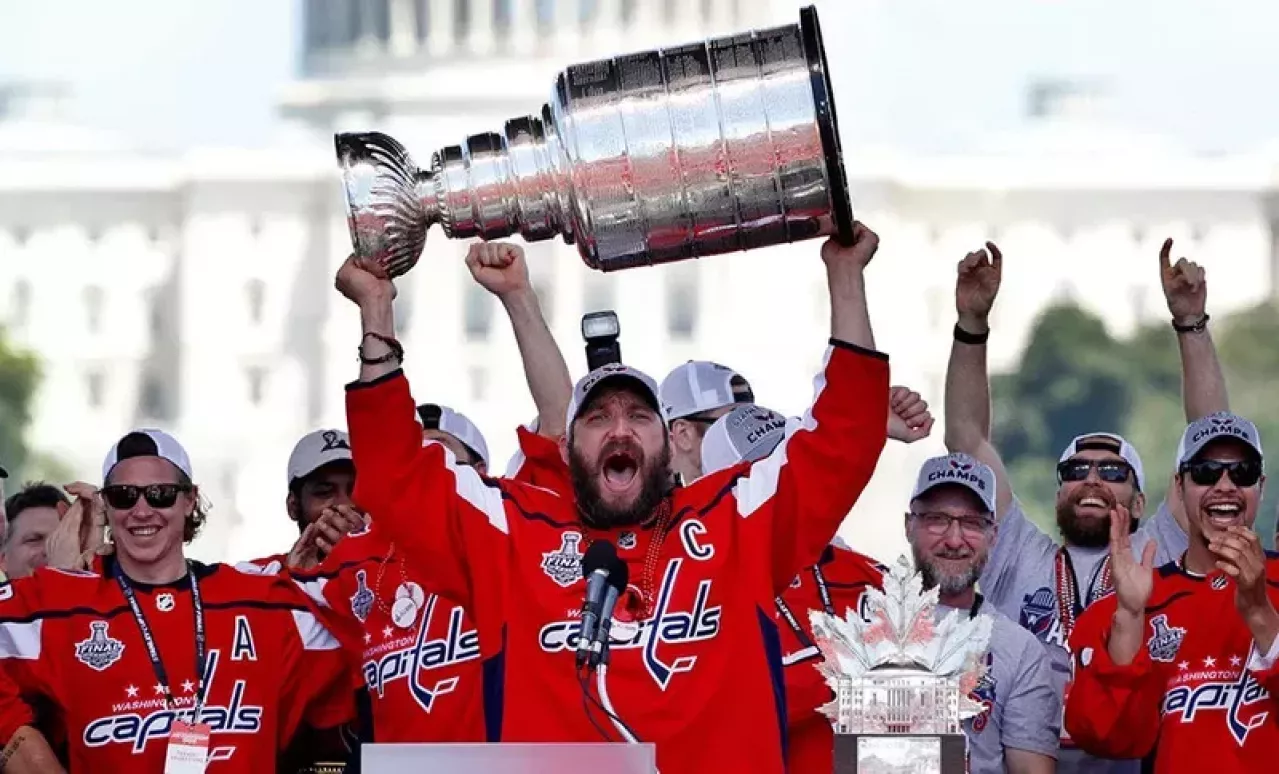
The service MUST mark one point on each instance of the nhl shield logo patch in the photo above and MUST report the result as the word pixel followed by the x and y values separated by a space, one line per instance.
pixel 564 565
pixel 362 599
pixel 100 650
pixel 1164 640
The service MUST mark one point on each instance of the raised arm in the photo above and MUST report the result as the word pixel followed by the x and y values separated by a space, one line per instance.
pixel 795 499
pixel 500 269
pixel 1203 386
pixel 967 419
pixel 441 514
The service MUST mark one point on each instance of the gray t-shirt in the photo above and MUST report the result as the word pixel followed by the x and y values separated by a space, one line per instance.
pixel 1024 707
pixel 1020 581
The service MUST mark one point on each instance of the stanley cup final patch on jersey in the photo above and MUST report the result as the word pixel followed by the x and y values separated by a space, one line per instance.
pixel 564 564
pixel 1164 640
pixel 362 599
pixel 101 650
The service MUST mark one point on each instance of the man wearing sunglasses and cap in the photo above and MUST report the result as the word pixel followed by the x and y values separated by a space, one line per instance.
pixel 1181 660
pixel 1030 578
pixel 158 656
pixel 711 555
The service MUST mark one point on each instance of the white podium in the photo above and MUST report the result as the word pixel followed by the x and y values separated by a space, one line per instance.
pixel 615 758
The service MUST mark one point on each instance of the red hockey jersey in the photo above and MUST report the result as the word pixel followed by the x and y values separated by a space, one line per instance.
pixel 698 670
pixel 836 584
pixel 1199 694
pixel 420 657
pixel 70 638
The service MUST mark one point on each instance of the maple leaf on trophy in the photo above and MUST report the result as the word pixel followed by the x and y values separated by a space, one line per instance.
pixel 901 644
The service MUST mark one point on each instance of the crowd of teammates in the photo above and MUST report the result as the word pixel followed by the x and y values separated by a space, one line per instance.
pixel 427 599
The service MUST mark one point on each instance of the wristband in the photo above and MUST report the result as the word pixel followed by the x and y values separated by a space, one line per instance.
pixel 396 352
pixel 975 339
pixel 1198 326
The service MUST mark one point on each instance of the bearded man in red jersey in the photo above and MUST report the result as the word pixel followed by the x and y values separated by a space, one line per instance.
pixel 695 653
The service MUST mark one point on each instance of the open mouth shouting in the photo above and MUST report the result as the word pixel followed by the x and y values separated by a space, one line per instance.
pixel 1093 503
pixel 1223 514
pixel 620 470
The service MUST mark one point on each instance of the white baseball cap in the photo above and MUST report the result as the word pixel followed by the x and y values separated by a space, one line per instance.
pixel 436 417
pixel 745 434
pixel 1125 450
pixel 317 449
pixel 1222 424
pixel 961 470
pixel 610 372
pixel 147 442
pixel 700 385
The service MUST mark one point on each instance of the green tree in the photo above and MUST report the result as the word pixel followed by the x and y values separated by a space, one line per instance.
pixel 1074 377
pixel 19 376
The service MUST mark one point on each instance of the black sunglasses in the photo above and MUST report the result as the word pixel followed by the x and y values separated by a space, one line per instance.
pixel 1110 471
pixel 125 496
pixel 1243 473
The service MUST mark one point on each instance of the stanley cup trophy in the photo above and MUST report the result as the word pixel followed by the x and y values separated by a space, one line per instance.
pixel 713 147
pixel 902 679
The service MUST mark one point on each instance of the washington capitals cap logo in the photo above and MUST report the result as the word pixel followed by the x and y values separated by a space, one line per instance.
pixel 960 465
pixel 333 441
pixel 100 650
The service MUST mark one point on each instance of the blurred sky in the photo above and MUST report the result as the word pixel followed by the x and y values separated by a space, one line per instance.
pixel 919 74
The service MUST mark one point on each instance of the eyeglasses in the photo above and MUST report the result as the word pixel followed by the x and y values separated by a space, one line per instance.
pixel 937 523
pixel 1243 473
pixel 1110 471
pixel 125 496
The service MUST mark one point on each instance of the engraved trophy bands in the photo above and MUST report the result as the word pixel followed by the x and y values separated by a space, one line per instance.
pixel 730 144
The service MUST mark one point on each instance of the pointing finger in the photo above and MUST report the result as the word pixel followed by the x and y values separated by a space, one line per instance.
pixel 1165 255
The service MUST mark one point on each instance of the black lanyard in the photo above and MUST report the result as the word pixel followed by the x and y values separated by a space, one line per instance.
pixel 148 639
pixel 822 591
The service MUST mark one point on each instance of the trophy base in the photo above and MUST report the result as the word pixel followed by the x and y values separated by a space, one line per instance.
pixel 900 754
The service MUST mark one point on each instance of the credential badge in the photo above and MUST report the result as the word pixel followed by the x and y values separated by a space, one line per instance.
pixel 362 599
pixel 100 650
pixel 1164 640
pixel 564 565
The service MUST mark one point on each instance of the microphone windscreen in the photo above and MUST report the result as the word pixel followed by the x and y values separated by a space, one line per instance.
pixel 601 555
pixel 618 573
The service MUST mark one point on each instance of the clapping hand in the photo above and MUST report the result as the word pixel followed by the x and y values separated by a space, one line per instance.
pixel 1239 554
pixel 320 536
pixel 1134 579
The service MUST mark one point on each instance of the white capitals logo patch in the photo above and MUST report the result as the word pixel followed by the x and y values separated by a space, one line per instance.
pixel 100 650
pixel 1164 640
pixel 564 565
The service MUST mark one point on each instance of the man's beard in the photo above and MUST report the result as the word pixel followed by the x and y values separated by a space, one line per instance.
pixel 1082 531
pixel 948 583
pixel 654 485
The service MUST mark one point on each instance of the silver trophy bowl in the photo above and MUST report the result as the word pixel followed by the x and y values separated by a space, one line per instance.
pixel 713 147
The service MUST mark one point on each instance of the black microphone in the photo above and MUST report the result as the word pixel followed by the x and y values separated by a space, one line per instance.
pixel 599 561
pixel 617 580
